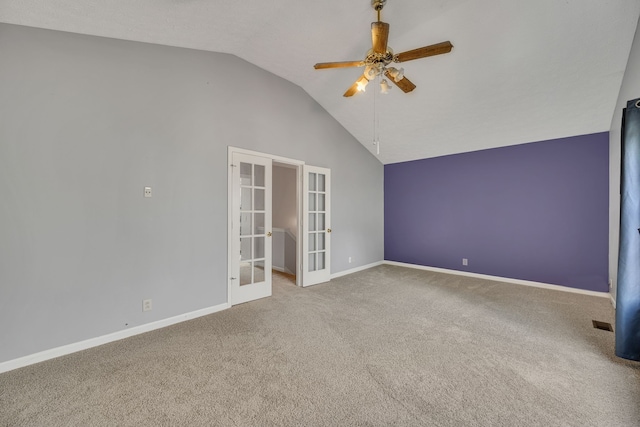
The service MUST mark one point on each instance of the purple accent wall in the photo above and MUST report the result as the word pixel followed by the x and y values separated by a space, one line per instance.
pixel 535 211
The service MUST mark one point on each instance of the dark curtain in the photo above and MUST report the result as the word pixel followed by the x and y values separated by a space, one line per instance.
pixel 628 290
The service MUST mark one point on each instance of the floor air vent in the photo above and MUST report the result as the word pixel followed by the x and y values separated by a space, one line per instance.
pixel 602 325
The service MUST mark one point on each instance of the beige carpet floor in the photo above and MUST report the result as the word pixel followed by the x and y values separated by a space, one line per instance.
pixel 389 346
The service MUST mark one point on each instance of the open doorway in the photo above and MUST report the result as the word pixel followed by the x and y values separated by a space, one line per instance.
pixel 285 224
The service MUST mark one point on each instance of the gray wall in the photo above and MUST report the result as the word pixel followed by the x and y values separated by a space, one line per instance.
pixel 86 123
pixel 629 90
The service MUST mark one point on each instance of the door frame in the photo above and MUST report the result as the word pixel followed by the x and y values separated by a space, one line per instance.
pixel 298 164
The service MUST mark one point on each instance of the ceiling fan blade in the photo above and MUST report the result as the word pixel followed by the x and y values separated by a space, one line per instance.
pixel 344 64
pixel 354 87
pixel 405 84
pixel 379 36
pixel 423 52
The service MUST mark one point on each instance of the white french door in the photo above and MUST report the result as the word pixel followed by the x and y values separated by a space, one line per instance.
pixel 250 228
pixel 316 219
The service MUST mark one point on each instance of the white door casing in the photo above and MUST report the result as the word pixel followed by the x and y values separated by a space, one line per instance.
pixel 316 218
pixel 251 247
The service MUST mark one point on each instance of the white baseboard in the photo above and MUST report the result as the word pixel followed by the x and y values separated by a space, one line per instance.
pixel 283 270
pixel 355 270
pixel 613 301
pixel 115 336
pixel 502 279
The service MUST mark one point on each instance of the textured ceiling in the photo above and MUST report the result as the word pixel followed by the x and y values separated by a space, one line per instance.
pixel 520 71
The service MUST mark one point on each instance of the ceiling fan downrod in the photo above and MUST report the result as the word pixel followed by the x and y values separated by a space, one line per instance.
pixel 378 5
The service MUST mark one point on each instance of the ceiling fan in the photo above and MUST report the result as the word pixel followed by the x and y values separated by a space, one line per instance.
pixel 378 58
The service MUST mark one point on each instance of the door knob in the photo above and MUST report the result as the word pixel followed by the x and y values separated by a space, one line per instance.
pixel 328 230
pixel 269 234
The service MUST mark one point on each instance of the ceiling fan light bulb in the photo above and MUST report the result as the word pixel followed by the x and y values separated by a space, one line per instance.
pixel 396 74
pixel 393 72
pixel 362 85
pixel 370 73
pixel 384 86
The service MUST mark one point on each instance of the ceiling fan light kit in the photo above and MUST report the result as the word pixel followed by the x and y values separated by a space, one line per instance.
pixel 396 74
pixel 362 84
pixel 378 58
pixel 384 87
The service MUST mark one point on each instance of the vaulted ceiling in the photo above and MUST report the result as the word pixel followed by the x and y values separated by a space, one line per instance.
pixel 520 70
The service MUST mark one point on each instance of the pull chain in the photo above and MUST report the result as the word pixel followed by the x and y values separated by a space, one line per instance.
pixel 376 124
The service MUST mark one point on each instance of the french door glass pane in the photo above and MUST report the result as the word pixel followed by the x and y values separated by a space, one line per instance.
pixel 312 222
pixel 312 262
pixel 245 248
pixel 312 201
pixel 245 273
pixel 258 271
pixel 312 241
pixel 320 221
pixel 258 223
pixel 312 181
pixel 258 246
pixel 320 260
pixel 320 182
pixel 245 200
pixel 259 175
pixel 321 202
pixel 245 223
pixel 245 174
pixel 259 199
pixel 320 241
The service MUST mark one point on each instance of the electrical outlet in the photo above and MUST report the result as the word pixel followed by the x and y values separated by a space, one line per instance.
pixel 147 191
pixel 349 260
pixel 465 261
pixel 146 305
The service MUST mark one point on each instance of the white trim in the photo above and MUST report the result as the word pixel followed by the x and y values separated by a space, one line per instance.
pixel 357 269
pixel 613 301
pixel 105 339
pixel 502 279
pixel 274 158
pixel 283 270
pixel 299 209
pixel 230 151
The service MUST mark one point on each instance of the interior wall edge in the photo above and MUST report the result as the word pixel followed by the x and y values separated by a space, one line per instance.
pixel 629 89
